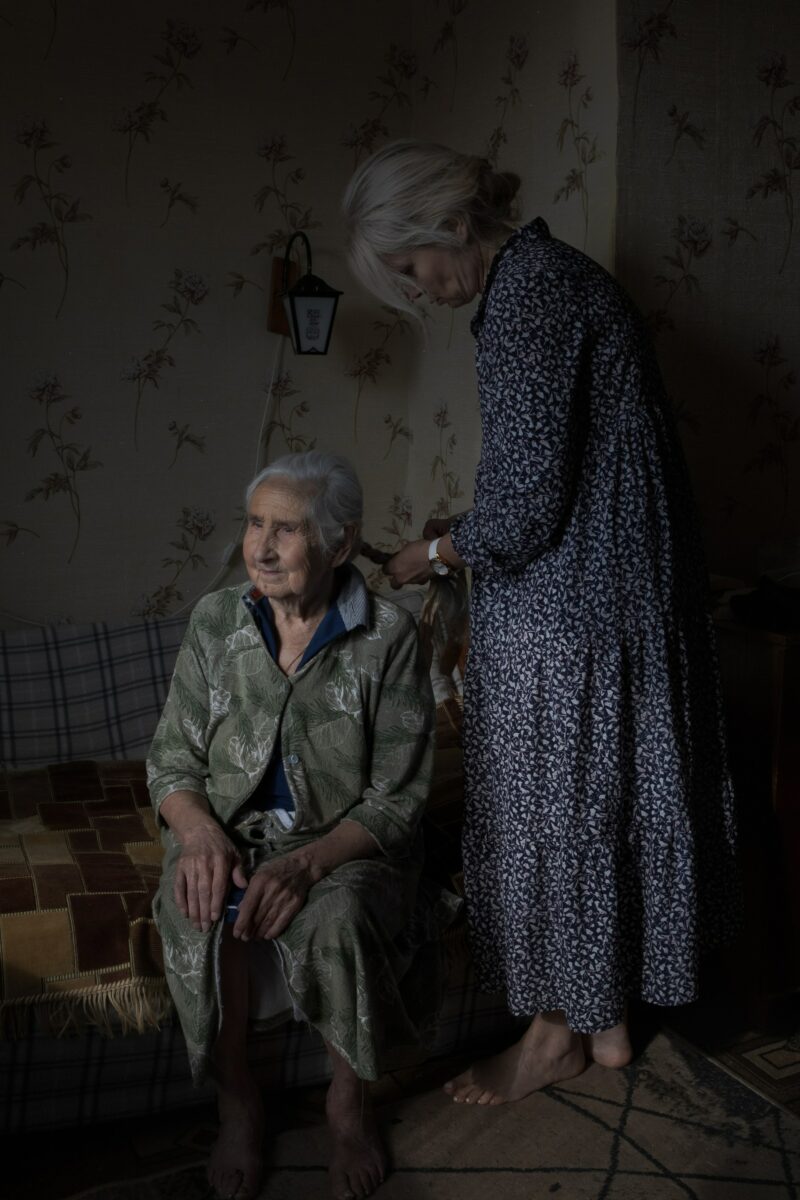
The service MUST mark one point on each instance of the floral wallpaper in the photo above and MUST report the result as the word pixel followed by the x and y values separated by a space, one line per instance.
pixel 156 160
pixel 707 242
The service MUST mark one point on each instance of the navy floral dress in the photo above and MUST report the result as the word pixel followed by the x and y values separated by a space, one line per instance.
pixel 599 844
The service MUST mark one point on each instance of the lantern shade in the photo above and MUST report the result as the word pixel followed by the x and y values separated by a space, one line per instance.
pixel 310 308
pixel 310 305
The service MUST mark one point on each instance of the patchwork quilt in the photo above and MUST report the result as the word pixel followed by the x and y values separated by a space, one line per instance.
pixel 80 859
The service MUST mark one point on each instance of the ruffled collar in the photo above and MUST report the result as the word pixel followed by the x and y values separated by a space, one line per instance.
pixel 537 228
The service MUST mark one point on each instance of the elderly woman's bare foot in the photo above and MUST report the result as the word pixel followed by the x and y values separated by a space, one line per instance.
pixel 237 1160
pixel 358 1159
pixel 549 1052
pixel 610 1048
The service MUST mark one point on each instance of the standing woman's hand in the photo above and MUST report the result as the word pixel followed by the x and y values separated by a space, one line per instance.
pixel 409 565
pixel 437 527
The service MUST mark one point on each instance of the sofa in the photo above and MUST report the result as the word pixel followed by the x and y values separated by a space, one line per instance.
pixel 87 1028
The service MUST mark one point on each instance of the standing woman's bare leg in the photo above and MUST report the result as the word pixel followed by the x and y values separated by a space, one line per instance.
pixel 358 1159
pixel 611 1047
pixel 547 1052
pixel 237 1161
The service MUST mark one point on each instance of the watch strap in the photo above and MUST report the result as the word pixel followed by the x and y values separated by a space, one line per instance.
pixel 434 558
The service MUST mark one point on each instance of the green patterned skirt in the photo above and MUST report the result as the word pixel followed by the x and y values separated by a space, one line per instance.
pixel 362 959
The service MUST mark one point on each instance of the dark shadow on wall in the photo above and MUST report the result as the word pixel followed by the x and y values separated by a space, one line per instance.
pixel 736 446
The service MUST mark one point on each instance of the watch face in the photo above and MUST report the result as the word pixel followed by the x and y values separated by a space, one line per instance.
pixel 439 567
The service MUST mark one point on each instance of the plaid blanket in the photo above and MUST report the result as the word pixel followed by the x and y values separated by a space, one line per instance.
pixel 49 1082
pixel 71 692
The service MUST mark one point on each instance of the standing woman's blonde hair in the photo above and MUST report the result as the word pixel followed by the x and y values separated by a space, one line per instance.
pixel 411 194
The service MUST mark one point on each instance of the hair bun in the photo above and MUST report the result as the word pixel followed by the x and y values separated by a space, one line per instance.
pixel 497 189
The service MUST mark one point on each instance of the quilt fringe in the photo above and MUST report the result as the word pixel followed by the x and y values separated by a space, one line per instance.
pixel 113 1009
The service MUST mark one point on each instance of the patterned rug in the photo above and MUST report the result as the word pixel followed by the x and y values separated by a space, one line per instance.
pixel 768 1064
pixel 764 1054
pixel 673 1125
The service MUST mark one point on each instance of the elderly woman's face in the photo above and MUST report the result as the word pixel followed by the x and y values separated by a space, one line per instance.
pixel 282 559
pixel 442 274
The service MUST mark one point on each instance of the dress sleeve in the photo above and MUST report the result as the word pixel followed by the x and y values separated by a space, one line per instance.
pixel 402 726
pixel 178 757
pixel 532 363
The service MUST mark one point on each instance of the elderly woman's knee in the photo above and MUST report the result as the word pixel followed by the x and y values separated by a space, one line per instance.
pixel 338 913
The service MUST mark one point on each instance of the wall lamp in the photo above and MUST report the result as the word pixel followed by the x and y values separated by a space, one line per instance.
pixel 309 304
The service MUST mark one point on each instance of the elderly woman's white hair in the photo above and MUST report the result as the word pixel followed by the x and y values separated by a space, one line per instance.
pixel 335 498
pixel 411 194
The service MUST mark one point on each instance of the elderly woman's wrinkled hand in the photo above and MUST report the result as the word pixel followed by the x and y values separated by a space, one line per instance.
pixel 409 565
pixel 207 863
pixel 275 894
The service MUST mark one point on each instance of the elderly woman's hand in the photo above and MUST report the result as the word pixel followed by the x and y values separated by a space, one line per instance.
pixel 275 894
pixel 409 565
pixel 208 862
pixel 208 859
pixel 278 889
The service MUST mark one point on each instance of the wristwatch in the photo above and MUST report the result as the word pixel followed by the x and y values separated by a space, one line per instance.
pixel 438 565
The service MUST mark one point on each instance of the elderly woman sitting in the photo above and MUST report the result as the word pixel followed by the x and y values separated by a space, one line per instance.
pixel 292 762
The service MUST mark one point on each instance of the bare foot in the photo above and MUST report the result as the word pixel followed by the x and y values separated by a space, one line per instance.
pixel 547 1053
pixel 611 1048
pixel 237 1161
pixel 358 1161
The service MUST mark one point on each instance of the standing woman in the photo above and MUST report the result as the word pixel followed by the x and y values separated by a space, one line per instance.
pixel 599 856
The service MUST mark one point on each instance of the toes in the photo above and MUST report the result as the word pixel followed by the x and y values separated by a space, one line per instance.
pixel 369 1181
pixel 358 1183
pixel 357 1187
pixel 456 1087
pixel 378 1177
pixel 465 1088
pixel 344 1188
pixel 225 1183
pixel 231 1185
